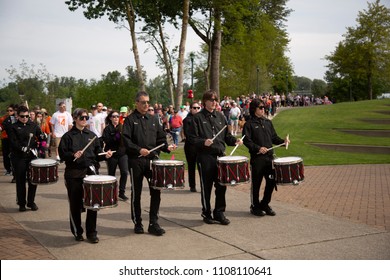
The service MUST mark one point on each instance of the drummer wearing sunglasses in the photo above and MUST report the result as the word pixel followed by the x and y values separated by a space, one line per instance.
pixel 142 133
pixel 24 136
pixel 80 152
pixel 209 135
pixel 189 147
pixel 259 136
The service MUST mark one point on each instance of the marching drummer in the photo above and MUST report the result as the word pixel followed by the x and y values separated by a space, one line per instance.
pixel 142 133
pixel 79 150
pixel 259 136
pixel 209 135
pixel 24 135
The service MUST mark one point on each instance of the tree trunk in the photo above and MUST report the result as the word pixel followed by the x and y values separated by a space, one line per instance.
pixel 369 79
pixel 183 39
pixel 216 53
pixel 167 64
pixel 131 21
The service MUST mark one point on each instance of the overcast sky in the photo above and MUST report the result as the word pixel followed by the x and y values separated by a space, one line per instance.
pixel 46 32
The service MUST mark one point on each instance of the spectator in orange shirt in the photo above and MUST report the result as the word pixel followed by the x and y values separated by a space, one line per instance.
pixel 123 114
pixel 45 127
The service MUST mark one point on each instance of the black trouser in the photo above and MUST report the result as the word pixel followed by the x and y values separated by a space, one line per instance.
pixel 190 153
pixel 21 167
pixel 74 186
pixel 122 162
pixel 262 167
pixel 208 172
pixel 140 168
pixel 5 146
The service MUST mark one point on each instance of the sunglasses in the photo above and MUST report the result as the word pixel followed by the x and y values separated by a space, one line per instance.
pixel 196 108
pixel 115 116
pixel 84 118
pixel 213 99
pixel 144 102
pixel 261 107
pixel 150 109
pixel 10 110
pixel 23 116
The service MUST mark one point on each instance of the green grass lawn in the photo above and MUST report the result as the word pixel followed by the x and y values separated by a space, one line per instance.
pixel 319 124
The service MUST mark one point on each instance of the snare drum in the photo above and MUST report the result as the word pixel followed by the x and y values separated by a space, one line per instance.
pixel 289 170
pixel 100 191
pixel 43 171
pixel 167 174
pixel 233 170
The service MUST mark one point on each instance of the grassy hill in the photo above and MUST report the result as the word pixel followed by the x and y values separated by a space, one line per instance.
pixel 321 124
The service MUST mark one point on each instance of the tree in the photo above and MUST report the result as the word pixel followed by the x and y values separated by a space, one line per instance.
pixel 318 87
pixel 361 62
pixel 230 30
pixel 117 11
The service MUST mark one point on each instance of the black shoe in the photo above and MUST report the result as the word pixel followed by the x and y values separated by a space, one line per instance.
pixel 22 208
pixel 93 239
pixel 192 189
pixel 33 206
pixel 123 197
pixel 13 180
pixel 221 219
pixel 156 229
pixel 139 228
pixel 79 237
pixel 268 210
pixel 257 212
pixel 208 220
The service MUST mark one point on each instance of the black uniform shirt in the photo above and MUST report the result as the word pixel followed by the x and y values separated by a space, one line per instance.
pixel 19 137
pixel 143 131
pixel 260 132
pixel 206 125
pixel 112 137
pixel 75 140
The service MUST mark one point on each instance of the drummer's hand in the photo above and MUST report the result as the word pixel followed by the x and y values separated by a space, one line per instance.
pixel 287 141
pixel 144 152
pixel 263 150
pixel 109 154
pixel 239 142
pixel 78 154
pixel 172 147
pixel 208 142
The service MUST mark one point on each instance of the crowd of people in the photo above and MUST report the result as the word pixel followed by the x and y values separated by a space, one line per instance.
pixel 126 139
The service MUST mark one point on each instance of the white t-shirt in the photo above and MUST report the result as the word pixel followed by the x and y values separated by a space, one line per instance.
pixel 61 122
pixel 234 113
pixel 96 124
pixel 182 114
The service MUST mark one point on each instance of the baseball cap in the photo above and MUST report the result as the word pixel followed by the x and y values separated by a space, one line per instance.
pixel 123 109
pixel 93 107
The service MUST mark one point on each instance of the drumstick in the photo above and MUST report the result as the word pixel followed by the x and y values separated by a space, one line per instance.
pixel 277 146
pixel 159 146
pixel 236 146
pixel 288 139
pixel 29 139
pixel 219 132
pixel 86 147
pixel 105 153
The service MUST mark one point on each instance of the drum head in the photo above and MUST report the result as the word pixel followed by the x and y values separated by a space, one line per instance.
pixel 42 162
pixel 164 162
pixel 99 179
pixel 233 159
pixel 287 160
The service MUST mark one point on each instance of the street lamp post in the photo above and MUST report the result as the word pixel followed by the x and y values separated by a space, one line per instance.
pixel 257 87
pixel 192 56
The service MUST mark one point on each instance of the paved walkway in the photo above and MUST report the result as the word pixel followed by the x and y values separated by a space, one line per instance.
pixel 338 212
